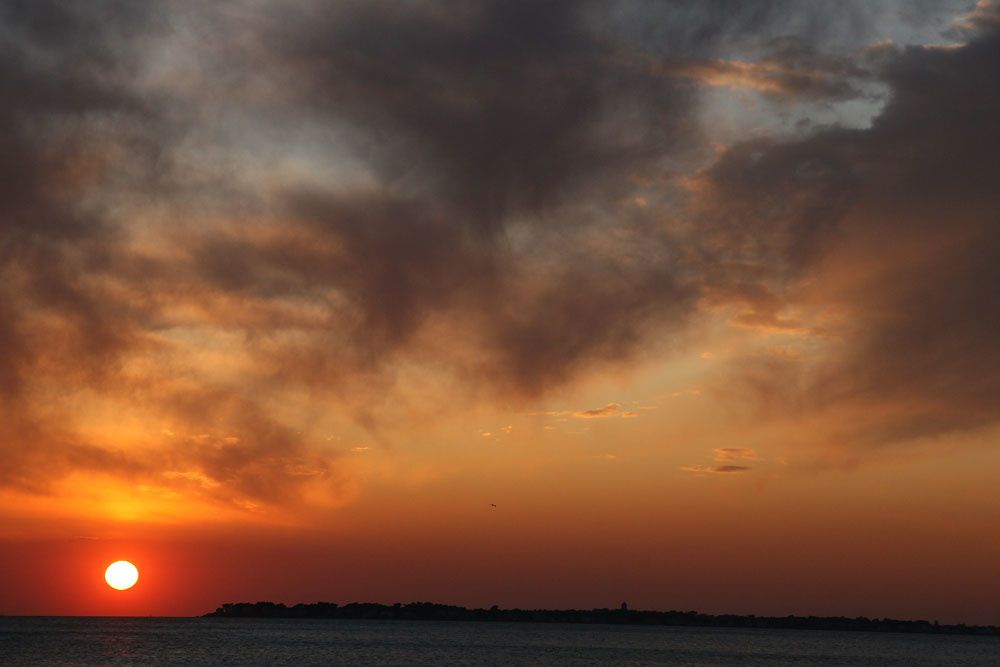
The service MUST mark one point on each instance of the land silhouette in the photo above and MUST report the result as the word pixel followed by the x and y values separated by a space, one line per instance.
pixel 428 611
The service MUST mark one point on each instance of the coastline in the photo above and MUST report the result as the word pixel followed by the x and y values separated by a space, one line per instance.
pixel 418 611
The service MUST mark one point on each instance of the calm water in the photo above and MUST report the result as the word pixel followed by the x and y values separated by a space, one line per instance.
pixel 38 641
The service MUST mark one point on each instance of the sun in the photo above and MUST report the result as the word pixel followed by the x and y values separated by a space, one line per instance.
pixel 121 575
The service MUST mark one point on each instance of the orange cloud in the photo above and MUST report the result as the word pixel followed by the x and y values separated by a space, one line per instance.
pixel 723 454
pixel 716 470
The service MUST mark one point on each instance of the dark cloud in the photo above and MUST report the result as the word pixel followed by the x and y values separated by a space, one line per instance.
pixel 512 213
pixel 67 77
pixel 54 75
pixel 750 29
pixel 895 226
pixel 498 108
pixel 504 138
pixel 61 68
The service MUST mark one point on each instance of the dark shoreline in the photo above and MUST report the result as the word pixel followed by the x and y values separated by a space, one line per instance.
pixel 427 611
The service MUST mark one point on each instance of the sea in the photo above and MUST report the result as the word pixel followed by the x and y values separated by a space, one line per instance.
pixel 211 641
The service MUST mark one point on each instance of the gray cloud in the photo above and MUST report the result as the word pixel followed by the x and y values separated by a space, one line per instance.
pixel 67 76
pixel 503 138
pixel 515 182
pixel 496 108
pixel 910 205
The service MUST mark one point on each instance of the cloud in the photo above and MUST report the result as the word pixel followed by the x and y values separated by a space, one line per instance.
pixel 891 229
pixel 609 410
pixel 499 108
pixel 506 133
pixel 61 68
pixel 794 72
pixel 723 454
pixel 716 470
pixel 209 214
pixel 728 457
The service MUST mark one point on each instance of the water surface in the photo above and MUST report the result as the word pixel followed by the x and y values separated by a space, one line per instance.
pixel 204 641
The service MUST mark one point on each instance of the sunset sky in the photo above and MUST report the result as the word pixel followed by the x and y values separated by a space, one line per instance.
pixel 703 296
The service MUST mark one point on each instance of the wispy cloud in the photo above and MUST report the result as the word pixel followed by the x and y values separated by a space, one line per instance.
pixel 716 470
pixel 782 75
pixel 604 412
pixel 609 410
pixel 723 454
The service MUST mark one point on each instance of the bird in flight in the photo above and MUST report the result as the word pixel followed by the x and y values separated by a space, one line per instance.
pixel 493 504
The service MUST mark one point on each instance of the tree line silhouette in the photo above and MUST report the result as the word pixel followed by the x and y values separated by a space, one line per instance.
pixel 428 611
